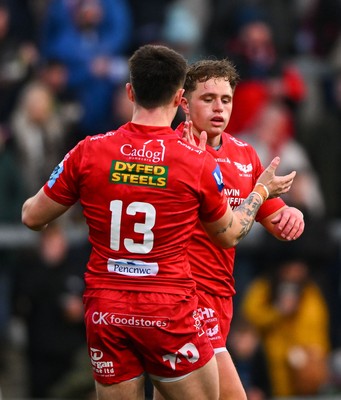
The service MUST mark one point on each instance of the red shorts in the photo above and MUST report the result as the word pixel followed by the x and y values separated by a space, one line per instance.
pixel 132 332
pixel 216 312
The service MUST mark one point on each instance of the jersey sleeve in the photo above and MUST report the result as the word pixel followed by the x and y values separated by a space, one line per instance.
pixel 213 202
pixel 63 184
pixel 269 207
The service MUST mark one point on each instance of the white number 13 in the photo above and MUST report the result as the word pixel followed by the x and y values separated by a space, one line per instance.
pixel 144 228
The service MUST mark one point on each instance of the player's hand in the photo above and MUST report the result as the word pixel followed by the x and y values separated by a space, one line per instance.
pixel 276 185
pixel 290 222
pixel 188 135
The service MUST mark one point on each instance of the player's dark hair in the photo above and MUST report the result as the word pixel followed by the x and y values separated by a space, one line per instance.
pixel 156 73
pixel 202 71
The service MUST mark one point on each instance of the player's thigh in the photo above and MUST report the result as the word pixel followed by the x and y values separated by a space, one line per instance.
pixel 202 384
pixel 127 390
pixel 230 384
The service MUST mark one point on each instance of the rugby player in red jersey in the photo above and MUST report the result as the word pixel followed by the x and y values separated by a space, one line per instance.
pixel 207 103
pixel 142 190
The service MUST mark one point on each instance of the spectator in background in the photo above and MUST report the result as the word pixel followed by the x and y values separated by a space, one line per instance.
pixel 316 50
pixel 317 26
pixel 265 75
pixel 54 75
pixel 39 134
pixel 11 181
pixel 17 62
pixel 18 58
pixel 272 133
pixel 290 313
pixel 48 296
pixel 11 197
pixel 148 21
pixel 184 26
pixel 90 37
pixel 24 24
pixel 247 352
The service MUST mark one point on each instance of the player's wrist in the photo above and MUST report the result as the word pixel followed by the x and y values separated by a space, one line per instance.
pixel 261 190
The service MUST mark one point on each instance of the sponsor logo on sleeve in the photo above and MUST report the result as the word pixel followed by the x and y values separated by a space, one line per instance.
pixel 217 175
pixel 55 174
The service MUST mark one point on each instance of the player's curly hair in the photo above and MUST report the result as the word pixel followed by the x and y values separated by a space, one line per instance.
pixel 202 71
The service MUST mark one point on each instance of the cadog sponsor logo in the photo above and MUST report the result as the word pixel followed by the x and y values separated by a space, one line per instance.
pixel 151 150
pixel 138 321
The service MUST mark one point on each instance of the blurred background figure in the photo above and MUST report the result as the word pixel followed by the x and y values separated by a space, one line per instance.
pixel 48 299
pixel 39 134
pixel 334 384
pixel 18 58
pixel 91 38
pixel 291 315
pixel 148 21
pixel 266 73
pixel 184 26
pixel 318 41
pixel 273 133
pixel 247 352
pixel 54 75
pixel 11 198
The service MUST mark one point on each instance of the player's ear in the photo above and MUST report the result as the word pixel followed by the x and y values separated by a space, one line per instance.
pixel 184 105
pixel 130 92
pixel 178 97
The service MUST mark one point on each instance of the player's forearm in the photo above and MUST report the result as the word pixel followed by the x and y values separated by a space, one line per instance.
pixel 39 210
pixel 235 225
pixel 30 218
pixel 244 215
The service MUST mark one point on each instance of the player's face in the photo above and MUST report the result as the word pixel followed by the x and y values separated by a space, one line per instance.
pixel 210 107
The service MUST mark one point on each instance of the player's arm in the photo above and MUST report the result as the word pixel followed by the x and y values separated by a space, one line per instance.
pixel 236 224
pixel 39 210
pixel 287 223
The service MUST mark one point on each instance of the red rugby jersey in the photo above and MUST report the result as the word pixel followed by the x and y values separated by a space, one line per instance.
pixel 212 267
pixel 142 189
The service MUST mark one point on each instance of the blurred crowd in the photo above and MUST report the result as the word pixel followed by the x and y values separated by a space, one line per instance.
pixel 63 69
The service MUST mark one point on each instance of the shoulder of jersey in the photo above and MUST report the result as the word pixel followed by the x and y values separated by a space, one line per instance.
pixel 188 147
pixel 101 136
pixel 237 142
